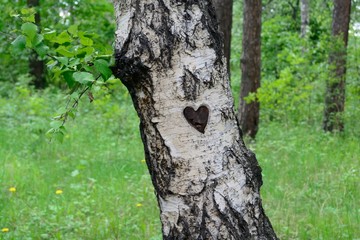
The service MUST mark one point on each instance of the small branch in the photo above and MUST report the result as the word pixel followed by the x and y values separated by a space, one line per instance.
pixel 65 115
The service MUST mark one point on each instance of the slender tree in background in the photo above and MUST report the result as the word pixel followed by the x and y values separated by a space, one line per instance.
pixel 294 8
pixel 305 19
pixel 223 9
pixel 250 67
pixel 335 86
pixel 36 66
pixel 169 55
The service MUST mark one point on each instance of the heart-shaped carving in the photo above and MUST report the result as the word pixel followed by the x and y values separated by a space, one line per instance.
pixel 198 119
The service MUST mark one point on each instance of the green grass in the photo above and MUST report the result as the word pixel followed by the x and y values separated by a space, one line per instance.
pixel 311 179
pixel 107 192
pixel 311 182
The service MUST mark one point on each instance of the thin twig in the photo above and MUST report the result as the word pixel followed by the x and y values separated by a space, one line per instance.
pixel 65 115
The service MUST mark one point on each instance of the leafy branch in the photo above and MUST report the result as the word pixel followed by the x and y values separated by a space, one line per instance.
pixel 71 55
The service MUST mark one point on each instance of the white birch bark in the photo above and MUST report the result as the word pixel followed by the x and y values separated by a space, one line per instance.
pixel 169 55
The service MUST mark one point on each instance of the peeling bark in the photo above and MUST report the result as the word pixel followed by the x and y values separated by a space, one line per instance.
pixel 169 55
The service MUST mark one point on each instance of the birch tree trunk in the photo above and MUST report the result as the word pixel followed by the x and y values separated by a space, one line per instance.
pixel 305 19
pixel 223 9
pixel 169 55
pixel 335 86
pixel 250 67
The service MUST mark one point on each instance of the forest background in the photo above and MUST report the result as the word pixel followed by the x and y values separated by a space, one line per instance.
pixel 89 180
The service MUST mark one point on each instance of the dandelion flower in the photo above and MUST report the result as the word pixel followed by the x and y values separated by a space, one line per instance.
pixel 59 191
pixel 12 189
pixel 143 161
pixel 5 230
pixel 139 205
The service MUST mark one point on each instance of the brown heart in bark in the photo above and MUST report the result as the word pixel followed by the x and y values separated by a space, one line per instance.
pixel 198 119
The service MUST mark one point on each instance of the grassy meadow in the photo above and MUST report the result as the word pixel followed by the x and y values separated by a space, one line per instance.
pixel 95 184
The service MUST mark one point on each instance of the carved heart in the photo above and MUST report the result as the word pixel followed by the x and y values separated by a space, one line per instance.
pixel 198 119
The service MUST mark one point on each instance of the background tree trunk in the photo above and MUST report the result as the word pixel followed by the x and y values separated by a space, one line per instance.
pixel 37 66
pixel 250 67
pixel 223 9
pixel 335 86
pixel 169 55
pixel 305 19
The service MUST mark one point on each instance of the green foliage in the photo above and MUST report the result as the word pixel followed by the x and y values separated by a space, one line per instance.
pixel 93 186
pixel 96 186
pixel 77 58
pixel 294 70
pixel 59 19
pixel 72 54
pixel 12 64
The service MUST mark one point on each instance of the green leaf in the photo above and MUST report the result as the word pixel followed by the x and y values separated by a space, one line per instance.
pixel 86 41
pixel 19 43
pixel 41 49
pixel 68 76
pixel 74 62
pixel 83 52
pixel 73 30
pixel 56 70
pixel 102 66
pixel 56 124
pixel 50 35
pixel 26 11
pixel 61 111
pixel 87 68
pixel 63 37
pixel 59 136
pixel 83 77
pixel 50 64
pixel 30 18
pixel 50 132
pixel 63 60
pixel 29 29
pixel 64 51
pixel 37 39
pixel 71 114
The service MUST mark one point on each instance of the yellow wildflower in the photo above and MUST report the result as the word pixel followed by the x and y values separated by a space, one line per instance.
pixel 5 230
pixel 139 205
pixel 12 189
pixel 143 161
pixel 59 191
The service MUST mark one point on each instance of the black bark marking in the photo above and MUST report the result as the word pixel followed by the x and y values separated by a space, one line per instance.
pixel 167 38
pixel 198 119
pixel 130 70
pixel 190 85
pixel 209 20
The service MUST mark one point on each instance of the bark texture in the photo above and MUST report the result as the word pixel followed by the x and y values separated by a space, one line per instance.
pixel 36 66
pixel 169 55
pixel 223 9
pixel 250 67
pixel 335 86
pixel 305 19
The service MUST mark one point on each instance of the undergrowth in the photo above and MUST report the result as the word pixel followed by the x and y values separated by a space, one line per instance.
pixel 95 185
